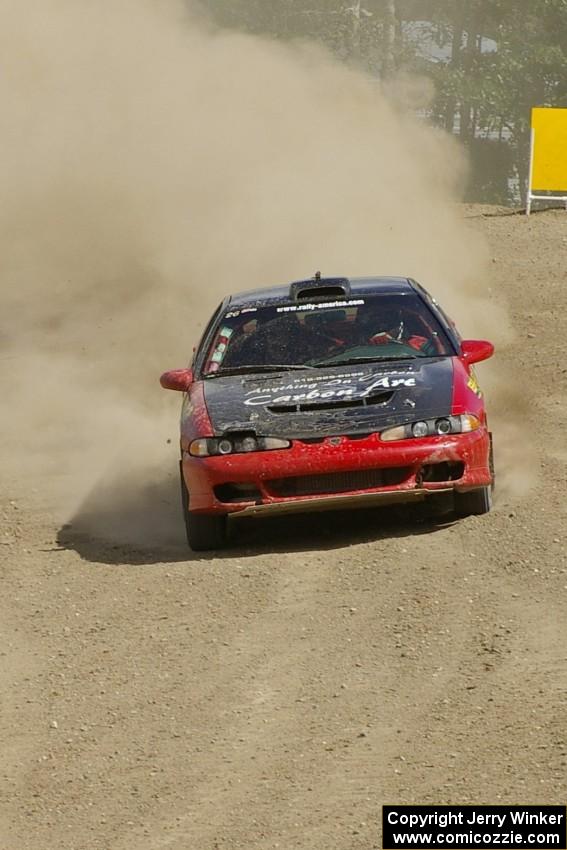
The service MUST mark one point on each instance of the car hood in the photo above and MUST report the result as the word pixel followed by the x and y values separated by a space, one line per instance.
pixel 326 402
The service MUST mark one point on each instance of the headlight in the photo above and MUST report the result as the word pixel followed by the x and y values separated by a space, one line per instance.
pixel 420 429
pixel 444 426
pixel 235 445
pixel 432 428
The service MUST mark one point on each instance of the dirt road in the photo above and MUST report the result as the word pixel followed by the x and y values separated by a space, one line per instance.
pixel 278 694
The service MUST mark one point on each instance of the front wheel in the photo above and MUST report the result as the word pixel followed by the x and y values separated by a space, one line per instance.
pixel 474 502
pixel 204 531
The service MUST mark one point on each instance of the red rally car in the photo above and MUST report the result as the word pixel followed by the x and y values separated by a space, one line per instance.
pixel 330 393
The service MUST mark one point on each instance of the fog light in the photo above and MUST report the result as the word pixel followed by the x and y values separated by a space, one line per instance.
pixel 420 429
pixel 248 444
pixel 224 447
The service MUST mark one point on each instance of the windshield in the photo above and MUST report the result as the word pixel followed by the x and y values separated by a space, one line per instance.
pixel 316 334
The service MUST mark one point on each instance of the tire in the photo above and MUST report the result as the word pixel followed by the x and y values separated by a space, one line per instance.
pixel 437 507
pixel 491 463
pixel 475 502
pixel 204 531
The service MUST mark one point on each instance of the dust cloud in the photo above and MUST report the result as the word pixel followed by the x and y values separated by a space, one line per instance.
pixel 151 164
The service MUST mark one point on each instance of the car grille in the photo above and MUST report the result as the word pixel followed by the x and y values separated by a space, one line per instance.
pixel 338 482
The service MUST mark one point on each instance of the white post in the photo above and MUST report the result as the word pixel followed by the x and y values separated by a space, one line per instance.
pixel 356 28
pixel 390 31
pixel 529 197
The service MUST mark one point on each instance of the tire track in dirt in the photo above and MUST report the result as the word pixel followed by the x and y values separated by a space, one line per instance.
pixel 297 674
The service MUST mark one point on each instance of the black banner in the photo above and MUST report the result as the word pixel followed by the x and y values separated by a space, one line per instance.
pixel 474 826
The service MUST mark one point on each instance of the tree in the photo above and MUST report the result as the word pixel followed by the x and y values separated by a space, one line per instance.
pixel 490 60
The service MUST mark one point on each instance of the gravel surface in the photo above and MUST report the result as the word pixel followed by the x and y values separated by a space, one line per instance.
pixel 277 694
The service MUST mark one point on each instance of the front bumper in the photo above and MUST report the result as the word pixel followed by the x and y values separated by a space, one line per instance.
pixel 381 473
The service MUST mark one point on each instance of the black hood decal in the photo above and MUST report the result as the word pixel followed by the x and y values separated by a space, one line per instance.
pixel 333 401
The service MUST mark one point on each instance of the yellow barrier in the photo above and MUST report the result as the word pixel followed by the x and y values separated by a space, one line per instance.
pixel 548 155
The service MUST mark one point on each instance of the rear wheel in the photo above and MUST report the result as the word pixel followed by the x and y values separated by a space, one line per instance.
pixel 204 531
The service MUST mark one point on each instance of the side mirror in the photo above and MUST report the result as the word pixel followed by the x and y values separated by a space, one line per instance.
pixel 475 350
pixel 177 379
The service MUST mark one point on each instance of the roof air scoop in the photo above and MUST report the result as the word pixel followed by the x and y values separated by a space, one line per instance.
pixel 319 288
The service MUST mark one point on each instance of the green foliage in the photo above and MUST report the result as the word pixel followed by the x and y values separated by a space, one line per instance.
pixel 491 60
